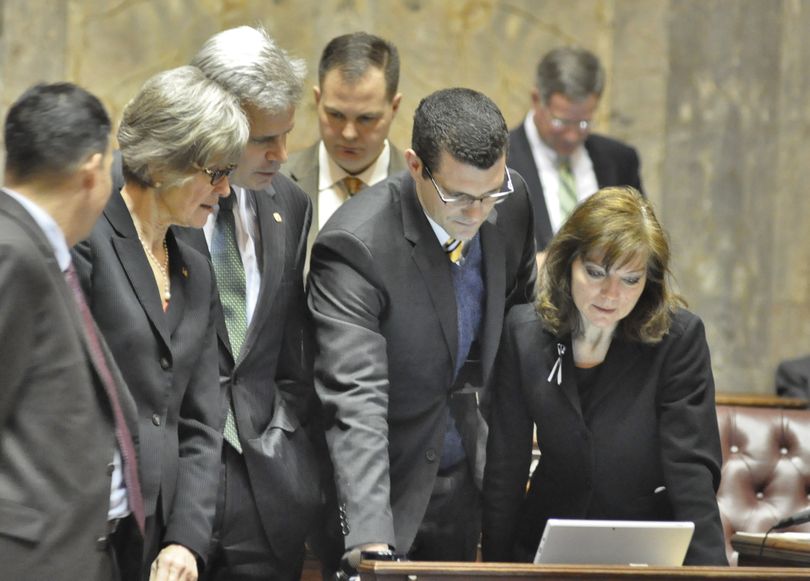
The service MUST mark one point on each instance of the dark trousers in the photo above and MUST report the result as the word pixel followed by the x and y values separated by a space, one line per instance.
pixel 239 548
pixel 451 528
pixel 126 550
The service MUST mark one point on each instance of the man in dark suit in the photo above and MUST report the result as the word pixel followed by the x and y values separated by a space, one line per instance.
pixel 554 149
pixel 793 378
pixel 68 473
pixel 269 489
pixel 408 287
pixel 357 100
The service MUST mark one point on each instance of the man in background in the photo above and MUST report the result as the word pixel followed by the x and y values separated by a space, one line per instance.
pixel 269 488
pixel 69 489
pixel 554 149
pixel 357 100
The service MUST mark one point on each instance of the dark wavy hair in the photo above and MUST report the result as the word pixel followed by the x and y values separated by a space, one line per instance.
pixel 618 225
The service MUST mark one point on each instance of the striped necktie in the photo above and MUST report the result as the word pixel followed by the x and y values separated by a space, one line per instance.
pixel 568 188
pixel 230 275
pixel 454 248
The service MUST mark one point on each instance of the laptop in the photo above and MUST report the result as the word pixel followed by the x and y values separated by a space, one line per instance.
pixel 614 542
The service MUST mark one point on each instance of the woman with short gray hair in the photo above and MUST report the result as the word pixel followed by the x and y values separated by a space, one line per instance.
pixel 154 299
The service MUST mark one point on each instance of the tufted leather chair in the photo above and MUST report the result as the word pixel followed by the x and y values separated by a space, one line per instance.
pixel 766 468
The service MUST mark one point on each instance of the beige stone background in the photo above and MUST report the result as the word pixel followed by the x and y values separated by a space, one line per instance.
pixel 711 92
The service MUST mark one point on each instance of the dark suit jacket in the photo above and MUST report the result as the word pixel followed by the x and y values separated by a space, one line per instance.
pixel 651 424
pixel 793 378
pixel 169 362
pixel 271 382
pixel 381 294
pixel 614 163
pixel 303 168
pixel 56 428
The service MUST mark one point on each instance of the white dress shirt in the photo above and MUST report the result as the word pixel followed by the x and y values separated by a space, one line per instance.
pixel 331 193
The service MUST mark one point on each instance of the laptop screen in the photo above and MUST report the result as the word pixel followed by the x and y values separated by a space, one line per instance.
pixel 613 542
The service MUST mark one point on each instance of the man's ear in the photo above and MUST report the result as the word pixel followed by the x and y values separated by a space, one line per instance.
pixel 395 102
pixel 89 171
pixel 316 92
pixel 414 164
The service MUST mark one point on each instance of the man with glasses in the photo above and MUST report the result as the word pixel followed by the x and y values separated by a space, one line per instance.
pixel 554 150
pixel 408 288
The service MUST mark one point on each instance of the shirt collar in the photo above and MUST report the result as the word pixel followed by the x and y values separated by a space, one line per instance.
pixel 330 173
pixel 49 227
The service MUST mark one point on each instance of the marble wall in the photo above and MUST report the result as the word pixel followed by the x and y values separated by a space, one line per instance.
pixel 710 92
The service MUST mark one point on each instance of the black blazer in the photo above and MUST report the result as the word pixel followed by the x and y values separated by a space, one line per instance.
pixel 169 361
pixel 614 163
pixel 381 295
pixel 648 447
pixel 56 429
pixel 271 381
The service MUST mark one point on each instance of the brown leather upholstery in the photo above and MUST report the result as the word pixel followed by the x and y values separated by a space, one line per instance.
pixel 766 468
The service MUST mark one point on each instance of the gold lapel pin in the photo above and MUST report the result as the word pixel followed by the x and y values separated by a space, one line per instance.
pixel 277 217
pixel 184 272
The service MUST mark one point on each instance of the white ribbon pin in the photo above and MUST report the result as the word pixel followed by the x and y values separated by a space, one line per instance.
pixel 557 365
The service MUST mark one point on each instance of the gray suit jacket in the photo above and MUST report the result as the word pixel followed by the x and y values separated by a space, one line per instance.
pixel 382 298
pixel 56 429
pixel 303 168
pixel 271 380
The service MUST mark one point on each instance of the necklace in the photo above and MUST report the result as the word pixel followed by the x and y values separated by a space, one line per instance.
pixel 163 267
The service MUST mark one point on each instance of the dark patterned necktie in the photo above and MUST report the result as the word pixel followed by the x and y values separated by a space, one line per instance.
pixel 230 273
pixel 122 434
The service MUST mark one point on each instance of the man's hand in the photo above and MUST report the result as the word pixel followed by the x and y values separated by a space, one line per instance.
pixel 174 563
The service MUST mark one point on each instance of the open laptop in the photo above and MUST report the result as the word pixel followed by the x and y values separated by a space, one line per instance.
pixel 614 542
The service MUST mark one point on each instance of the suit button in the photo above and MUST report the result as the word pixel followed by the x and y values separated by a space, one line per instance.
pixel 164 363
pixel 430 455
pixel 102 543
pixel 156 419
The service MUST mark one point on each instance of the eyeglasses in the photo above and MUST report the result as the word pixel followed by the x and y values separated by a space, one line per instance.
pixel 217 174
pixel 466 200
pixel 559 124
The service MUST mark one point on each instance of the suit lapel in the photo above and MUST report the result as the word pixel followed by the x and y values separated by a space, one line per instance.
pixel 494 273
pixel 432 264
pixel 134 263
pixel 195 237
pixel 605 172
pixel 270 254
pixel 521 159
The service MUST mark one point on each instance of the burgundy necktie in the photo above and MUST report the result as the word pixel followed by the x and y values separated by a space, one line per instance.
pixel 122 433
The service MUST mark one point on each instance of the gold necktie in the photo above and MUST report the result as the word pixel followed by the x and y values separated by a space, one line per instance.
pixel 353 185
pixel 454 248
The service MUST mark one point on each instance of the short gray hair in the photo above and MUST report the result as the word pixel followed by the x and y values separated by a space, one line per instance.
pixel 250 65
pixel 180 120
pixel 573 72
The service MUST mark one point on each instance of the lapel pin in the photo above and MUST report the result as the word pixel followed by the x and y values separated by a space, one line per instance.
pixel 184 272
pixel 557 365
pixel 277 217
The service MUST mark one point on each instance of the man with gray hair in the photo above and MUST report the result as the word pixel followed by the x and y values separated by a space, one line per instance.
pixel 269 487
pixel 357 100
pixel 554 150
